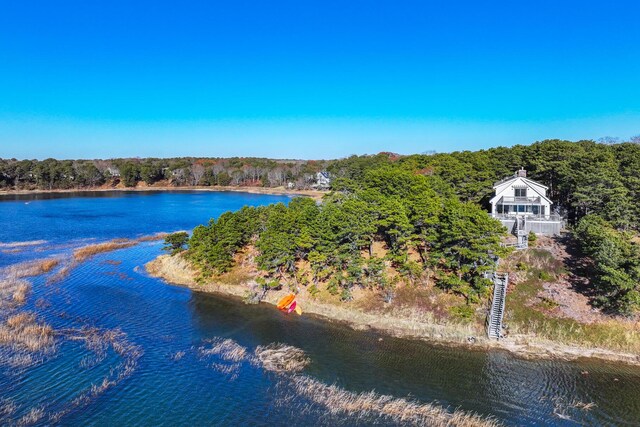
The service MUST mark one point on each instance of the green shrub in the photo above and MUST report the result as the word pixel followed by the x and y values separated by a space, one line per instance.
pixel 463 312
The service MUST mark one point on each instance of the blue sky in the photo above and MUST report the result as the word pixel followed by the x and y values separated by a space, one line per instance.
pixel 304 79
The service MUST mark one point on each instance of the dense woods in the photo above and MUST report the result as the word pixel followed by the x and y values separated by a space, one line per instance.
pixel 426 235
pixel 427 210
pixel 51 174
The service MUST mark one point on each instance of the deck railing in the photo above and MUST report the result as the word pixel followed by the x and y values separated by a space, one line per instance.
pixel 530 216
pixel 516 199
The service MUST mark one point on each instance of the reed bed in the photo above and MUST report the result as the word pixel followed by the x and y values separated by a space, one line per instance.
pixel 227 349
pixel 24 341
pixel 152 237
pixel 86 252
pixel 373 406
pixel 34 416
pixel 22 244
pixel 7 408
pixel 31 268
pixel 281 358
pixel 13 293
pixel 23 332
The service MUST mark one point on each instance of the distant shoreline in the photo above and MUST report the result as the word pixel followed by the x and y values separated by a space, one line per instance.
pixel 315 194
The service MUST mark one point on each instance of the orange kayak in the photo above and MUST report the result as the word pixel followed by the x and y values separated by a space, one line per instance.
pixel 286 301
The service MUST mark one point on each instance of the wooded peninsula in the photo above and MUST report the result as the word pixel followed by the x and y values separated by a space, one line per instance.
pixel 411 234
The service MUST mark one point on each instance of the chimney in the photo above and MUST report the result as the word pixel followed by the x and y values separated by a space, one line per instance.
pixel 522 173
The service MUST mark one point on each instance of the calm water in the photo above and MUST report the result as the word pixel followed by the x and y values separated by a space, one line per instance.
pixel 163 378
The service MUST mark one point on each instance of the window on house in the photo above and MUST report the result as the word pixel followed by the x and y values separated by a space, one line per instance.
pixel 521 192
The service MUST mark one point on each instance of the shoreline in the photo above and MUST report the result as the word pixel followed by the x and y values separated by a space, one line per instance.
pixel 177 271
pixel 314 194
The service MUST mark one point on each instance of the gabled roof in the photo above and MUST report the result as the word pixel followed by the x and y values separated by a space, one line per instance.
pixel 530 184
pixel 513 178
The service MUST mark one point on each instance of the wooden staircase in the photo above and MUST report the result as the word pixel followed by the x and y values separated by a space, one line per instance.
pixel 521 233
pixel 494 322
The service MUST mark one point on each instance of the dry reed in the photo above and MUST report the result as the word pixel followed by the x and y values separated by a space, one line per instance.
pixel 34 416
pixel 7 408
pixel 85 252
pixel 22 333
pixel 152 237
pixel 371 406
pixel 13 293
pixel 177 355
pixel 226 349
pixel 281 358
pixel 30 268
pixel 22 244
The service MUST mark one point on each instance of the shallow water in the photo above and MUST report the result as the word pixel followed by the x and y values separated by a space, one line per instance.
pixel 162 327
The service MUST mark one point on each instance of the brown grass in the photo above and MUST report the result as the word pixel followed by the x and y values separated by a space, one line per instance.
pixel 34 416
pixel 22 332
pixel 31 268
pixel 281 358
pixel 371 405
pixel 286 359
pixel 152 237
pixel 13 293
pixel 226 349
pixel 82 254
pixel 22 244
pixel 7 408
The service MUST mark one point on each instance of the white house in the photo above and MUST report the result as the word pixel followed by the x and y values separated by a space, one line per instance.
pixel 520 196
pixel 323 181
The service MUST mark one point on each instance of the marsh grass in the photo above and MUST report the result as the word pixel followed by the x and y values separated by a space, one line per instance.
pixel 152 237
pixel 227 349
pixel 23 332
pixel 22 244
pixel 30 268
pixel 34 416
pixel 13 293
pixel 7 408
pixel 86 252
pixel 281 358
pixel 371 406
pixel 24 341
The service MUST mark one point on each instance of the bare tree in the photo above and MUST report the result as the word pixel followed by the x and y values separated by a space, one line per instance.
pixel 197 172
pixel 609 140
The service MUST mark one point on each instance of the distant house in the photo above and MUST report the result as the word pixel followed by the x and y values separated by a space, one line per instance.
pixel 115 172
pixel 323 181
pixel 522 204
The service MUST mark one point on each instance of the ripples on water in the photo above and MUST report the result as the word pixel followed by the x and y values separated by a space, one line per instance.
pixel 132 350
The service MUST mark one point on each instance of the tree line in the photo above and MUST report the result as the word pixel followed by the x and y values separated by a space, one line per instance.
pixel 52 174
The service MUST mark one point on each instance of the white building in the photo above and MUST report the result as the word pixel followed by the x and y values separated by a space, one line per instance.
pixel 323 181
pixel 519 197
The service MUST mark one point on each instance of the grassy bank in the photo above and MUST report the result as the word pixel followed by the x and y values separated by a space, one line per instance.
pixel 543 305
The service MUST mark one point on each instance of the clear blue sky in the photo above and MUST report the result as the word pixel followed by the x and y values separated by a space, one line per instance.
pixel 323 79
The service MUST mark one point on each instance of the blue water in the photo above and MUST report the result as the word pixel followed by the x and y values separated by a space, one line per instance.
pixel 162 377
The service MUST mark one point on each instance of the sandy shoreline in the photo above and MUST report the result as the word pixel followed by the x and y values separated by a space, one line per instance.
pixel 315 194
pixel 177 271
